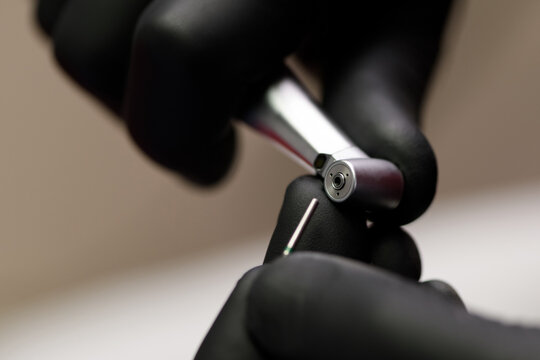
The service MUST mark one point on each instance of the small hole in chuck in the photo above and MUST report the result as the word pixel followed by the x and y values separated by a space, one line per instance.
pixel 338 182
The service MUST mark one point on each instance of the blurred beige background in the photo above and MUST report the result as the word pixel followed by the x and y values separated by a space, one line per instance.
pixel 100 249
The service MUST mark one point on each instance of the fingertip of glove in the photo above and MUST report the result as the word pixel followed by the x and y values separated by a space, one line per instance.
pixel 46 13
pixel 206 166
pixel 420 185
pixel 44 23
pixel 413 155
pixel 393 249
pixel 445 290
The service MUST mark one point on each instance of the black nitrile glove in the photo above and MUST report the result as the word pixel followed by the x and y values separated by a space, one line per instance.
pixel 177 70
pixel 240 332
pixel 317 306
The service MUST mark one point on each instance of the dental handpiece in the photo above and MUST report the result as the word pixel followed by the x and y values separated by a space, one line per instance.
pixel 291 118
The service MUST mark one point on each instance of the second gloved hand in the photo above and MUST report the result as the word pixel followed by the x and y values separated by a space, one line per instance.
pixel 316 306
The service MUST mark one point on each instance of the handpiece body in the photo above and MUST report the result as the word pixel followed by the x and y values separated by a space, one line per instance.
pixel 291 118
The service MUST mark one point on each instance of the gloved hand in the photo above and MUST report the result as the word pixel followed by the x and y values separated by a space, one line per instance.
pixel 177 70
pixel 329 230
pixel 319 306
pixel 316 306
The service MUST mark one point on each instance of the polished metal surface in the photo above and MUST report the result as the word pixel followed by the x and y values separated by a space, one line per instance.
pixel 301 226
pixel 291 117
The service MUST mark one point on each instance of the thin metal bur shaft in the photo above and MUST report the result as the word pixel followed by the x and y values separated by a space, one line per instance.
pixel 301 226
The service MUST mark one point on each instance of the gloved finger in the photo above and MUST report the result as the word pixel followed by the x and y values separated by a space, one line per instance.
pixel 445 290
pixel 191 61
pixel 374 91
pixel 228 338
pixel 335 230
pixel 393 249
pixel 314 306
pixel 330 229
pixel 92 41
pixel 47 12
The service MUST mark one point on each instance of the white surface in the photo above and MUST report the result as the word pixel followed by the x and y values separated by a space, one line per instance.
pixel 159 312
pixel 486 244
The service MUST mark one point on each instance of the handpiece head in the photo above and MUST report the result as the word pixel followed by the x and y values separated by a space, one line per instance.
pixel 374 184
